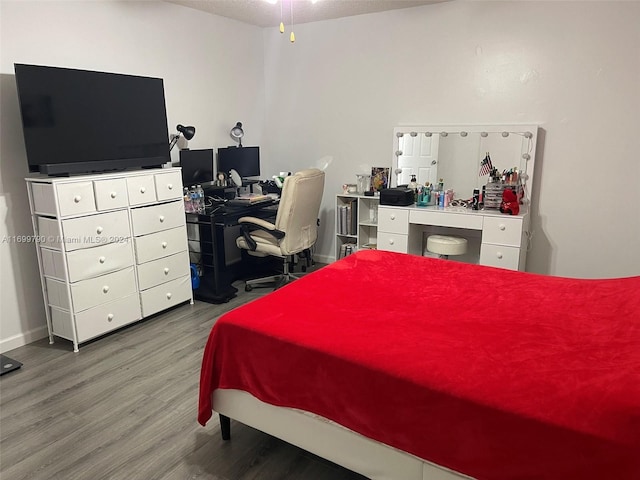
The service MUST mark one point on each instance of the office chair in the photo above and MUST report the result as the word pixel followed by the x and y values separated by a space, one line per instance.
pixel 295 230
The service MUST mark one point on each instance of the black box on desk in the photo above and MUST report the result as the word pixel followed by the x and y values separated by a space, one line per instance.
pixel 228 193
pixel 396 196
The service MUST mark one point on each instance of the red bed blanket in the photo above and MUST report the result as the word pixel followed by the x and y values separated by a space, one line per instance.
pixel 493 373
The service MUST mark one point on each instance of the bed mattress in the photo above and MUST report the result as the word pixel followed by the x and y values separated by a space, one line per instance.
pixel 489 372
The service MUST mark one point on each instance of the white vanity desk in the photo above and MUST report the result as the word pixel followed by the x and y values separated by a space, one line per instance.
pixel 454 152
pixel 502 238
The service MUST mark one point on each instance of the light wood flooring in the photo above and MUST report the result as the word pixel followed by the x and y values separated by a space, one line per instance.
pixel 125 407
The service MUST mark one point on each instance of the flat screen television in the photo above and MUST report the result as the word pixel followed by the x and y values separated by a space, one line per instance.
pixel 80 121
pixel 244 160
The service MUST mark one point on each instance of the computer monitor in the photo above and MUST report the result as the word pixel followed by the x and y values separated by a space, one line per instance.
pixel 197 166
pixel 244 160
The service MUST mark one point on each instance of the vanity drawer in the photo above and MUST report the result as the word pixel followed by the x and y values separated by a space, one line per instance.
pixel 160 244
pixel 141 189
pixel 502 231
pixel 107 317
pixel 111 194
pixel 499 256
pixel 446 219
pixel 88 262
pixel 147 220
pixel 393 242
pixel 95 230
pixel 168 185
pixel 166 295
pixel 395 220
pixel 163 270
pixel 99 290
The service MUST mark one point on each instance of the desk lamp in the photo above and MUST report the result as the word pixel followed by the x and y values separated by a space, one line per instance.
pixel 237 133
pixel 188 133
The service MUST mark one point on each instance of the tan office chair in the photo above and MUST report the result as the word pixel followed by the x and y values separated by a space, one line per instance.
pixel 295 230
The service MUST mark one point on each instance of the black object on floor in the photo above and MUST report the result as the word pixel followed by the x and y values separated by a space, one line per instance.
pixel 8 364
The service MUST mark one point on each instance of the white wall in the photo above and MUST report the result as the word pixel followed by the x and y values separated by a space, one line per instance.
pixel 213 73
pixel 335 95
pixel 571 67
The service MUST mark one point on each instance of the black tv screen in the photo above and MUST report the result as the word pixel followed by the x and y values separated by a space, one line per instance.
pixel 79 121
pixel 244 160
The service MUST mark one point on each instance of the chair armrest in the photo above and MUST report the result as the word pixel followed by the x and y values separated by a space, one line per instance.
pixel 247 223
pixel 258 222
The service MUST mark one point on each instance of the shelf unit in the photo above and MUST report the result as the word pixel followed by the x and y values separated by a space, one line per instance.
pixel 364 231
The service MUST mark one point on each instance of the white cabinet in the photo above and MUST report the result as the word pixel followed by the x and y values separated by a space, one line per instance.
pixel 112 249
pixel 503 240
pixel 356 223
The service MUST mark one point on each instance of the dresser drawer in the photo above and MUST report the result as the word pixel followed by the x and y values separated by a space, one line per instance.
pixel 166 295
pixel 75 198
pixel 99 290
pixel 502 231
pixel 168 185
pixel 147 220
pixel 393 242
pixel 499 256
pixel 88 262
pixel 163 270
pixel 395 220
pixel 104 318
pixel 160 244
pixel 95 230
pixel 111 194
pixel 141 189
pixel 93 262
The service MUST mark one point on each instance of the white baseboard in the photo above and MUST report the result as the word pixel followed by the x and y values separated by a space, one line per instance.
pixel 323 258
pixel 8 344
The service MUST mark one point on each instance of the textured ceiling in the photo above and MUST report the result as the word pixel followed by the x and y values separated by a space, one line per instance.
pixel 264 14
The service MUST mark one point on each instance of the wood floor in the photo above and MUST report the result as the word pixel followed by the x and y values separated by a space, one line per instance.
pixel 125 406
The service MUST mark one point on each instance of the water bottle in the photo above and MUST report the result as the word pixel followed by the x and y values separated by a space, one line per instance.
pixel 200 194
pixel 188 205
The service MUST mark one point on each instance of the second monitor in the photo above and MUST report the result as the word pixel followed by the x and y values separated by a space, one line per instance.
pixel 244 160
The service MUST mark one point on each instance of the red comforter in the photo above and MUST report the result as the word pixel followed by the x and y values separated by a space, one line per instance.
pixel 493 373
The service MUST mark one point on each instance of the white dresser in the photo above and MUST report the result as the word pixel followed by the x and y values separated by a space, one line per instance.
pixel 112 249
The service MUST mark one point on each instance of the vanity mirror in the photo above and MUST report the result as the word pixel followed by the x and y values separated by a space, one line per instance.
pixel 455 153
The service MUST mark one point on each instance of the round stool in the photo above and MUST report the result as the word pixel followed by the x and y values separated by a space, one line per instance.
pixel 445 245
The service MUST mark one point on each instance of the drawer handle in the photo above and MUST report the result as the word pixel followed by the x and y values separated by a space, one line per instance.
pixel 161 218
pixel 105 289
pixel 164 244
pixel 142 189
pixel 114 194
pixel 499 254
pixel 166 270
pixel 169 296
pixel 391 241
pixel 99 229
pixel 110 317
pixel 77 198
pixel 170 186
pixel 502 226
pixel 102 259
pixel 393 217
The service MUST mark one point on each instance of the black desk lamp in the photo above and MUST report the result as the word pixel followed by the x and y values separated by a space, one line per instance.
pixel 188 133
pixel 237 133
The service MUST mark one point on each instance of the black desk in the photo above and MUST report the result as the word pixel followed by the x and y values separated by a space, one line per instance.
pixel 214 233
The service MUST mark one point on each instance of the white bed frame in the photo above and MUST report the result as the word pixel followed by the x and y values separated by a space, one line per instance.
pixel 328 440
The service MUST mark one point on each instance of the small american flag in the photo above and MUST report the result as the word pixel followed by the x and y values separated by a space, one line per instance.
pixel 485 166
